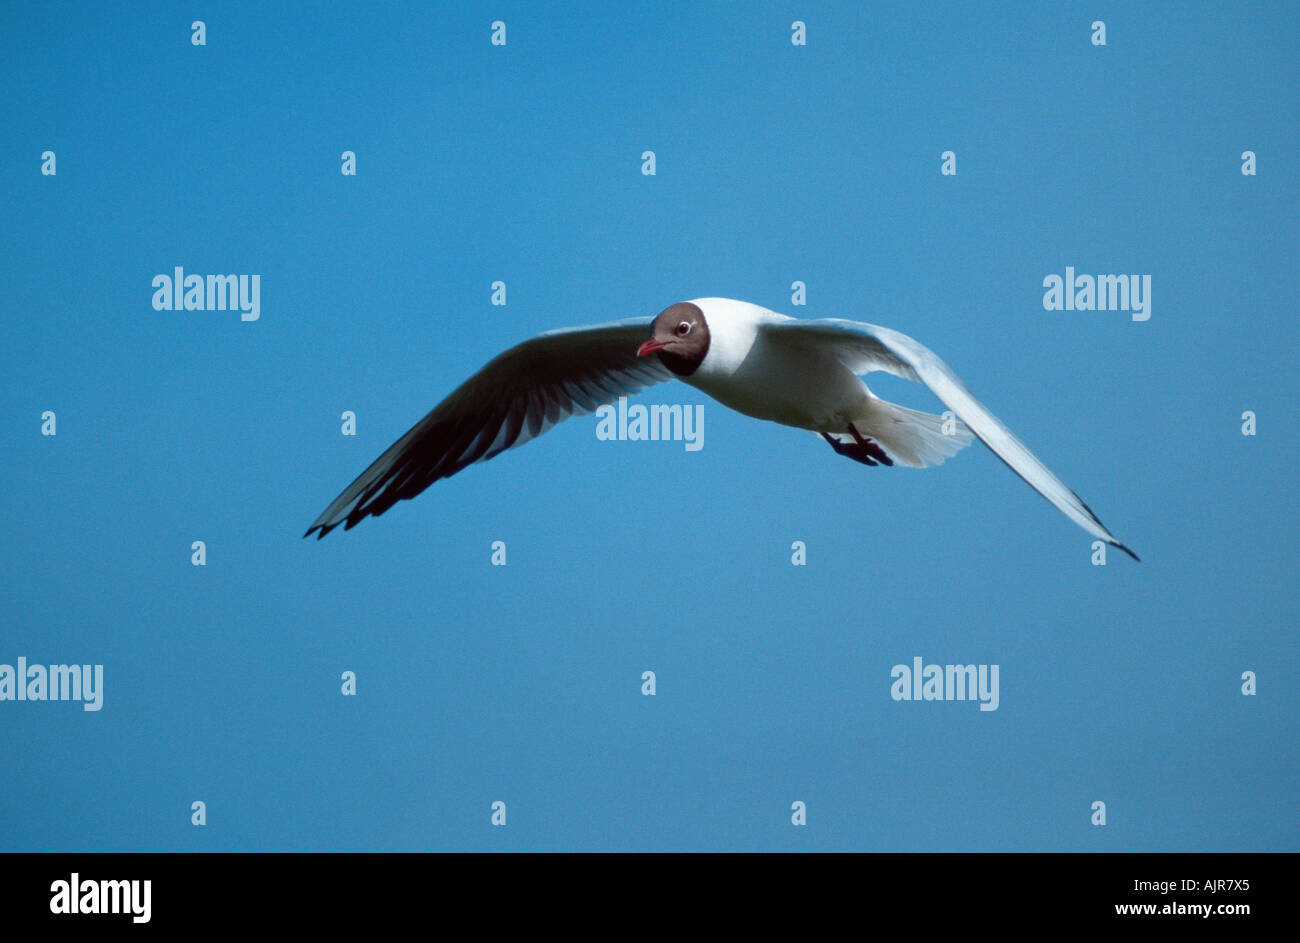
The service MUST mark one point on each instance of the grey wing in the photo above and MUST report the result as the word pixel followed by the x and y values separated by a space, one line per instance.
pixel 516 397
pixel 865 347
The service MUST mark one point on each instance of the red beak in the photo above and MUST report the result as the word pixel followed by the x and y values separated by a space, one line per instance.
pixel 649 347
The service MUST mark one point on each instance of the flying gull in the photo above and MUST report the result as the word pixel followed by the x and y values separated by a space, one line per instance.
pixel 802 373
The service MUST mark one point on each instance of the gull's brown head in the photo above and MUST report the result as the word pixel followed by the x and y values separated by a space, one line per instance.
pixel 680 336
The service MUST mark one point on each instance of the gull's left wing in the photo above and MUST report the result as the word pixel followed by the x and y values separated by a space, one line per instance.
pixel 515 398
pixel 866 347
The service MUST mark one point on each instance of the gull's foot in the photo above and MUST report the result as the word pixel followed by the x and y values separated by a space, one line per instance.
pixel 861 449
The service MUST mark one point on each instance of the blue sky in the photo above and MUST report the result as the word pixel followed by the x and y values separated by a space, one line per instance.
pixel 521 683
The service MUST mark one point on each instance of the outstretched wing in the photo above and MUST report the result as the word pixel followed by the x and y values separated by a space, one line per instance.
pixel 515 398
pixel 866 347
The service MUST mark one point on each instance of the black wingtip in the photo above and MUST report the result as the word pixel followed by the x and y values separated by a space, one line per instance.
pixel 1128 551
pixel 320 530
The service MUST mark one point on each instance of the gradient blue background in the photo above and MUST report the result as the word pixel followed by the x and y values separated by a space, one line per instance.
pixel 522 163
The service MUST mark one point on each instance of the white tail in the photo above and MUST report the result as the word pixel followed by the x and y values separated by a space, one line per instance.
pixel 912 437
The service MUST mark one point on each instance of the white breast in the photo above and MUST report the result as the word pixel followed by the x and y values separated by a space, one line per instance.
pixel 808 389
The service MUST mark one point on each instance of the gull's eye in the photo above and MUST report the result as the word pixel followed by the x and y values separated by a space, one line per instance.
pixel 683 329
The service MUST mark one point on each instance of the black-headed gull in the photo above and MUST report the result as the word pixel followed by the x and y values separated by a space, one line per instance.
pixel 803 373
